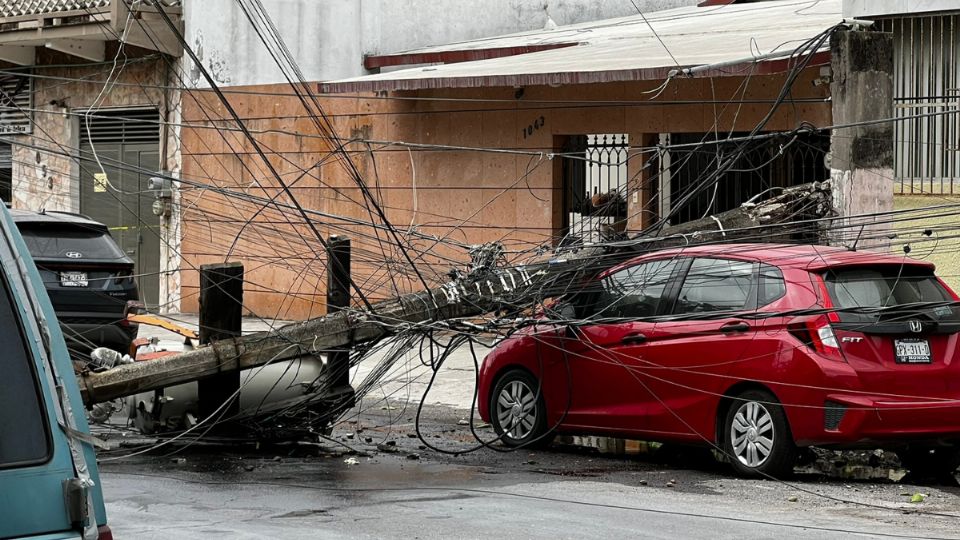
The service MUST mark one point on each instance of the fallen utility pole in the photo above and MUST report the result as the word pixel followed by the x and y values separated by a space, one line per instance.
pixel 475 294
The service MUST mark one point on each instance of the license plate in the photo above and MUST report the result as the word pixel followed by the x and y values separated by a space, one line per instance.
pixel 74 279
pixel 912 351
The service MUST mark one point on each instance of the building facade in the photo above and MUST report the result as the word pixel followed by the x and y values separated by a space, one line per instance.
pixel 94 92
pixel 533 139
pixel 926 127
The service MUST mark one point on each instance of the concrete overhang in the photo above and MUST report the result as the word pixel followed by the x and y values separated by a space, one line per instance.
pixel 865 9
pixel 84 32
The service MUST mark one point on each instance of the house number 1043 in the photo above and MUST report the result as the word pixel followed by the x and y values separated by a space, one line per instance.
pixel 537 124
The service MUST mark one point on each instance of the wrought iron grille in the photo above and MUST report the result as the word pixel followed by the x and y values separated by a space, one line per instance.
pixel 16 104
pixel 694 191
pixel 595 184
pixel 120 126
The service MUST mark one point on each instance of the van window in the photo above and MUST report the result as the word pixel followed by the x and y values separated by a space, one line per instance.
pixel 24 437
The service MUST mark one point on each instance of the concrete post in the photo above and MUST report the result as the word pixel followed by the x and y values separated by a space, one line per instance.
pixel 861 158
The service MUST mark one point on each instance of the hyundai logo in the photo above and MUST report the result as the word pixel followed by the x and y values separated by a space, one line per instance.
pixel 73 254
pixel 915 326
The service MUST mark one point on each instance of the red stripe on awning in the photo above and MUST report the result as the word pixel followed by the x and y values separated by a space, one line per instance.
pixel 453 57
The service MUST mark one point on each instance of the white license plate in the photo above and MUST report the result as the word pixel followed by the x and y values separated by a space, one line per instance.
pixel 74 279
pixel 912 351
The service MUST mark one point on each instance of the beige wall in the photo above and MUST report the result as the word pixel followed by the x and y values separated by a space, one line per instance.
pixel 467 197
pixel 941 247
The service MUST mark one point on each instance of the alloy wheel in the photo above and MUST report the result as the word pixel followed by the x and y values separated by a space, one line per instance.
pixel 752 434
pixel 517 410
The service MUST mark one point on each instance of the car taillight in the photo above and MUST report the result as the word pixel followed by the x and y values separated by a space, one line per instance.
pixel 104 533
pixel 817 332
pixel 826 302
pixel 825 341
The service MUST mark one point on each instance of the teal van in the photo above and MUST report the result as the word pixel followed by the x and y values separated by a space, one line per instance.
pixel 49 484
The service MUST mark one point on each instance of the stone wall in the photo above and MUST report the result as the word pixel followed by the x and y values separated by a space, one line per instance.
pixel 46 172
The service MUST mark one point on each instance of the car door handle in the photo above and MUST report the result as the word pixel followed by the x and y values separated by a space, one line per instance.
pixel 735 327
pixel 633 339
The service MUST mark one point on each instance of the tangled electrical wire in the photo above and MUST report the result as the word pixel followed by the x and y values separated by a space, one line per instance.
pixel 474 294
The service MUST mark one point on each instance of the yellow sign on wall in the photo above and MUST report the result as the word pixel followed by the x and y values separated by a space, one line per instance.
pixel 99 182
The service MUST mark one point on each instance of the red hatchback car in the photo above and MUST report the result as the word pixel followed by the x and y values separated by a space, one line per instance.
pixel 755 349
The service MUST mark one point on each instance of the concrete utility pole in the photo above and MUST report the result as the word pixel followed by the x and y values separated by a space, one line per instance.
pixel 861 156
pixel 771 221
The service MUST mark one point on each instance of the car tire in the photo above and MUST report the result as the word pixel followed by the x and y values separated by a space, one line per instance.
pixel 518 410
pixel 756 436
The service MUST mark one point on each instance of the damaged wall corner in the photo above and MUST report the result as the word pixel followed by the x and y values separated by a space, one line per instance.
pixel 861 157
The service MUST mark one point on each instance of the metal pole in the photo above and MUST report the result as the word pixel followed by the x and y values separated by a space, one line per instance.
pixel 221 310
pixel 338 299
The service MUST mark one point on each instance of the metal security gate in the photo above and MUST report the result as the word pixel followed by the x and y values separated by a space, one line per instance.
pixel 594 187
pixel 114 192
pixel 6 172
pixel 926 103
pixel 691 190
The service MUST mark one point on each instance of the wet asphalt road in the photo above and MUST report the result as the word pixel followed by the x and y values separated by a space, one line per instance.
pixel 398 489
pixel 391 486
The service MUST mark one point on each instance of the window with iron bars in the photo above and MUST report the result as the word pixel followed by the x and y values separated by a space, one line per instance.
pixel 594 186
pixel 926 103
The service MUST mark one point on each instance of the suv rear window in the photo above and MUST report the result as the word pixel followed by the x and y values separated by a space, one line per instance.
pixel 46 242
pixel 887 286
pixel 23 426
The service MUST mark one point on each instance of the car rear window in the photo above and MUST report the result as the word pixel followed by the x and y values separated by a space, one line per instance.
pixel 46 242
pixel 887 286
pixel 24 438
